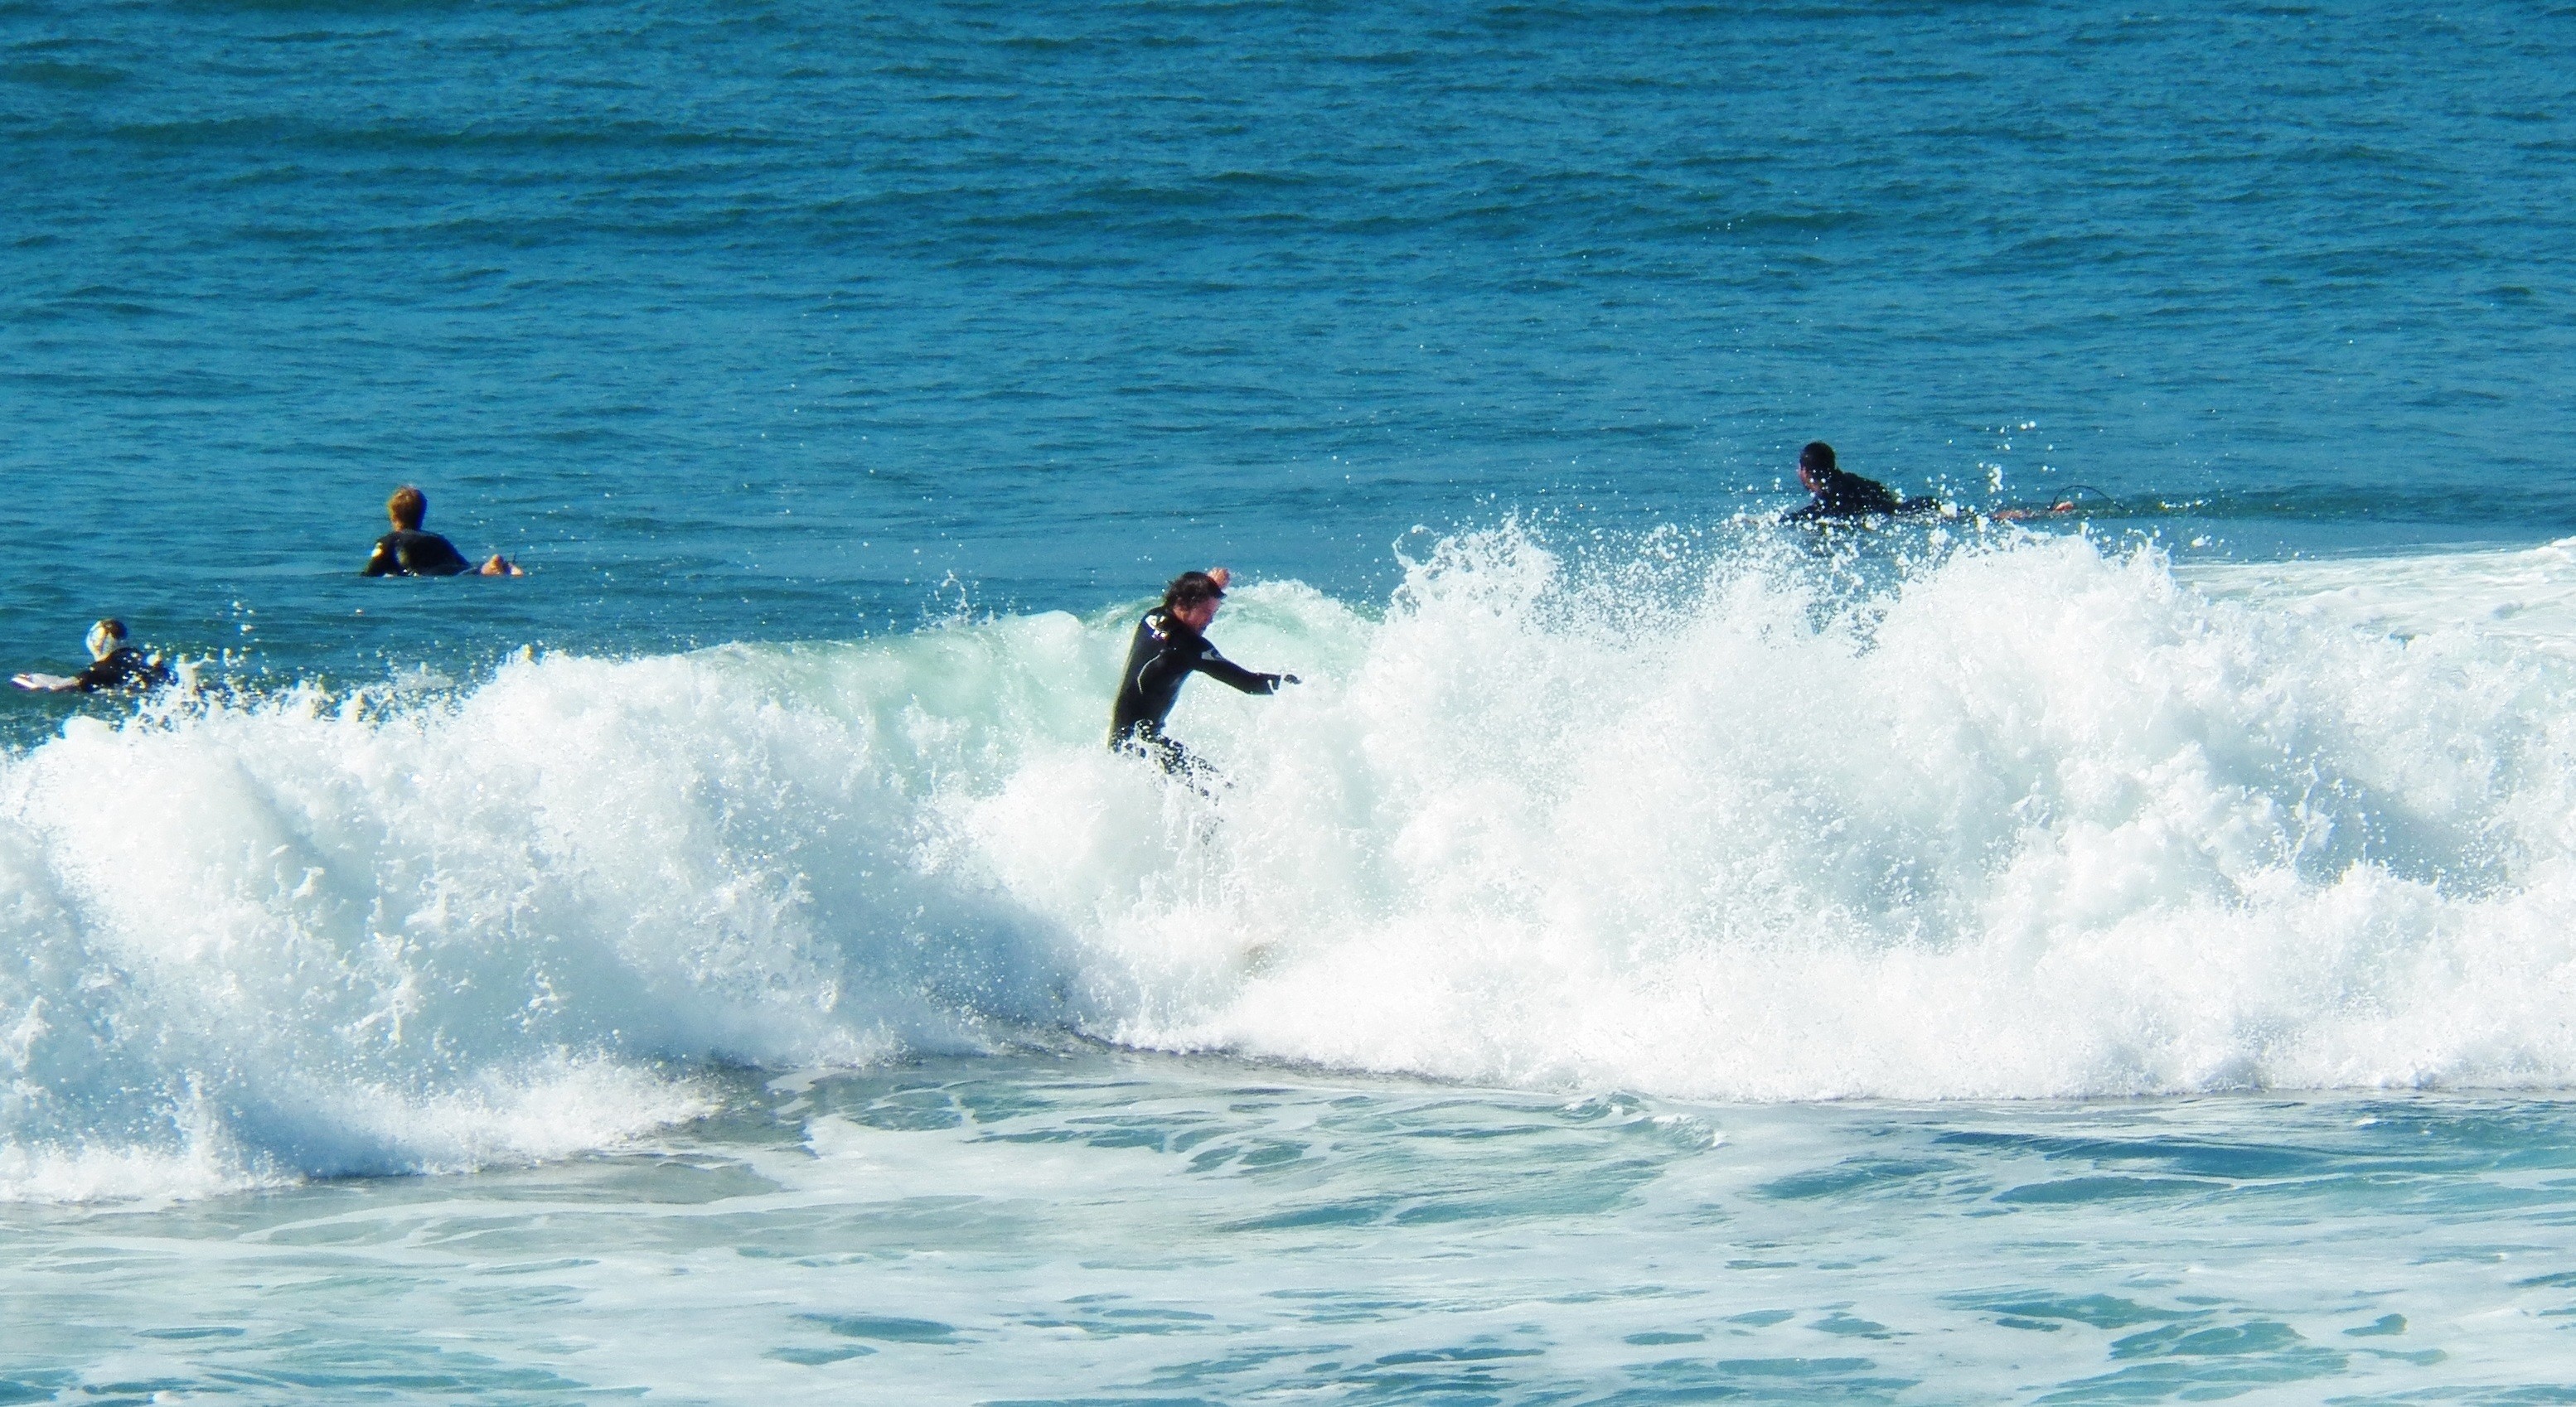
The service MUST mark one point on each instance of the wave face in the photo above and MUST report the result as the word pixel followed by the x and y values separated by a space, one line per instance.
pixel 2018 819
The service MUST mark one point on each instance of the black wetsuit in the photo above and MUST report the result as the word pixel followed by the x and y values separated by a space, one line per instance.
pixel 1843 495
pixel 411 552
pixel 1160 659
pixel 125 670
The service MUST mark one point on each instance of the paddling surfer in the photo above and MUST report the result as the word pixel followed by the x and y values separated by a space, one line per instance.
pixel 115 668
pixel 1838 493
pixel 1170 644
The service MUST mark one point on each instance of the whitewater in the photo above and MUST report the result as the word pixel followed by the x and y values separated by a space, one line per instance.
pixel 1708 816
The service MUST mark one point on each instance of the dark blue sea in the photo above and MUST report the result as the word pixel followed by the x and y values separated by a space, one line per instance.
pixel 2113 939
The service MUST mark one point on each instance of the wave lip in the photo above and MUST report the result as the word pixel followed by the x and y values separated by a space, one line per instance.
pixel 1709 818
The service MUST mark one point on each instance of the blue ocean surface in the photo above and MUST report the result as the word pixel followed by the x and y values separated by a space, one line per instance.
pixel 2123 953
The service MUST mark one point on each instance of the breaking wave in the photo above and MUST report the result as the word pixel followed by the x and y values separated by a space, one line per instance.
pixel 1977 818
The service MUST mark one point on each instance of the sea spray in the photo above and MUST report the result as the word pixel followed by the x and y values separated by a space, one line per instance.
pixel 2036 822
pixel 1727 817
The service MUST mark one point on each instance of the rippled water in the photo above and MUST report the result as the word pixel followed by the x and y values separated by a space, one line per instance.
pixel 760 323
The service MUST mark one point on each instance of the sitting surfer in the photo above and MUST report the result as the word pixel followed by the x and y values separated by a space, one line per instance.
pixel 1837 493
pixel 408 551
pixel 115 667
pixel 1170 643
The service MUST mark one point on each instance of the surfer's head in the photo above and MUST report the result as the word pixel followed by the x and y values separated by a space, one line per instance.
pixel 106 638
pixel 1815 463
pixel 407 507
pixel 1193 596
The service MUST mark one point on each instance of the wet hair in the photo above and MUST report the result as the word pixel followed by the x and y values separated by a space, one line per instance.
pixel 105 637
pixel 1191 589
pixel 407 507
pixel 1817 455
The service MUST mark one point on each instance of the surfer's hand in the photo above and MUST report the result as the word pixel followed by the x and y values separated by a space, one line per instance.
pixel 1290 679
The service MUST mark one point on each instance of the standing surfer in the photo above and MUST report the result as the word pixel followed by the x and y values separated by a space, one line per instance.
pixel 1170 643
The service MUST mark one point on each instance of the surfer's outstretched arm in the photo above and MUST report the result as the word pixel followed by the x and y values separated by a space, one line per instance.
pixel 1227 672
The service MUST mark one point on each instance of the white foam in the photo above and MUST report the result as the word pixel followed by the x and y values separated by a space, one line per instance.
pixel 2022 819
pixel 2526 594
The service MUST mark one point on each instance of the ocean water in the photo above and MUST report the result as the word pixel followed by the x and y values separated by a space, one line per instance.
pixel 1656 956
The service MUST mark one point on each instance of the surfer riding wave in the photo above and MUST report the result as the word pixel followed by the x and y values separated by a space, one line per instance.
pixel 1169 645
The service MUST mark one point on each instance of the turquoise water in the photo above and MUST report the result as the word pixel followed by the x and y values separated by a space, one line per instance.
pixel 1654 957
pixel 1094 1228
